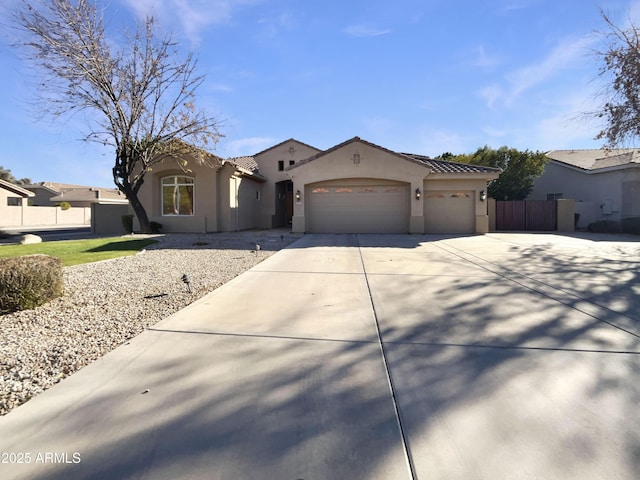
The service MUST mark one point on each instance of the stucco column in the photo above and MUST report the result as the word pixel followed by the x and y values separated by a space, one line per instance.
pixel 416 217
pixel 566 209
pixel 482 217
pixel 298 223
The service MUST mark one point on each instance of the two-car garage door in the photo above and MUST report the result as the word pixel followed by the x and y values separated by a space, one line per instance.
pixel 367 206
pixel 358 207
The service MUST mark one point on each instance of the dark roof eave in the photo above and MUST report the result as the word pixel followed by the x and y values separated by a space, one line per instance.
pixel 459 175
pixel 18 190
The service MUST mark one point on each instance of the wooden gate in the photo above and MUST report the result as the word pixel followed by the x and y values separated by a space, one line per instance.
pixel 523 215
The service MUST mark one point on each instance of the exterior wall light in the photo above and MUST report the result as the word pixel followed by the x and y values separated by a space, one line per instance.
pixel 483 195
pixel 418 194
pixel 298 195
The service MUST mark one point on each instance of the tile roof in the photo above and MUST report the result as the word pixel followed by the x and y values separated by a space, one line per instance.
pixel 248 163
pixel 444 166
pixel 597 159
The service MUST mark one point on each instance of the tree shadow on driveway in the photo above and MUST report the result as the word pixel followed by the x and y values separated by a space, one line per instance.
pixel 502 372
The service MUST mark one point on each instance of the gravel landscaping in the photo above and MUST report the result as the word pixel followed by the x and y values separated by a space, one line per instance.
pixel 107 303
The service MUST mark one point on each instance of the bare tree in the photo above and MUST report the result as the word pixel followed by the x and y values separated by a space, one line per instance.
pixel 140 92
pixel 620 69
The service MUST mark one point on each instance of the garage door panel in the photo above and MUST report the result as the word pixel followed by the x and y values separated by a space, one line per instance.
pixel 358 209
pixel 449 212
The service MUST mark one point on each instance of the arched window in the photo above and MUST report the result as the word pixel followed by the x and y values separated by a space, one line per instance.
pixel 177 195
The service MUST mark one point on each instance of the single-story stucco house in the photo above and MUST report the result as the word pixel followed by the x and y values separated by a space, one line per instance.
pixel 13 202
pixel 353 187
pixel 53 193
pixel 604 183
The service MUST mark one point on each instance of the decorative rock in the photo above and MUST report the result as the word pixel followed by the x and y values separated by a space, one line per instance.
pixel 107 303
pixel 30 239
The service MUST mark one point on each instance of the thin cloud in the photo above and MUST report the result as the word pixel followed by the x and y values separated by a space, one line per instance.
pixel 272 26
pixel 193 16
pixel 491 94
pixel 515 5
pixel 363 30
pixel 219 87
pixel 566 55
pixel 562 57
pixel 484 60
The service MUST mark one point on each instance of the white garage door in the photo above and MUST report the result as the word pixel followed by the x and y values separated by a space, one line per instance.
pixel 358 208
pixel 449 212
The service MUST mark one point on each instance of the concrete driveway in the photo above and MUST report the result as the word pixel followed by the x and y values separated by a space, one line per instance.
pixel 368 357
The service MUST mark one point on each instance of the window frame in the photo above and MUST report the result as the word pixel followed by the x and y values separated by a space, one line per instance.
pixel 176 185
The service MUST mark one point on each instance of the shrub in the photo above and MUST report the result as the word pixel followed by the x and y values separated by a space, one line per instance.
pixel 605 226
pixel 631 225
pixel 64 205
pixel 29 281
pixel 127 223
pixel 155 227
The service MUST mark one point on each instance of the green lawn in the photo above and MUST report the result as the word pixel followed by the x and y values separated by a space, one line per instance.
pixel 74 252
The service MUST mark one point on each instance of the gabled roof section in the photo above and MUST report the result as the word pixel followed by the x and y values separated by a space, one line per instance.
pixel 17 189
pixel 594 160
pixel 247 165
pixel 282 143
pixel 354 140
pixel 444 166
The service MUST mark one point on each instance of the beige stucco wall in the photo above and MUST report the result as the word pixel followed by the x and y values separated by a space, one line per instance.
pixel 11 215
pixel 239 201
pixel 42 196
pixel 107 219
pixel 434 183
pixel 268 168
pixel 565 219
pixel 374 163
pixel 26 215
pixel 30 216
pixel 204 219
pixel 249 193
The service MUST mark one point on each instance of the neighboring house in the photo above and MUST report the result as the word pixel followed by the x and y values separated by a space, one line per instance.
pixel 353 187
pixel 604 183
pixel 53 193
pixel 13 201
pixel 85 197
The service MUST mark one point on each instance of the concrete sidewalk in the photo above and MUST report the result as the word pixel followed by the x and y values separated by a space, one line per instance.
pixel 502 356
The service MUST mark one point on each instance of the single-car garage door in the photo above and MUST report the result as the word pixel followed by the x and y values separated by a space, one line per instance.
pixel 449 212
pixel 357 208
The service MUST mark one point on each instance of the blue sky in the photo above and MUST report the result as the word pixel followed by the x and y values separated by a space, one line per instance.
pixel 419 76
